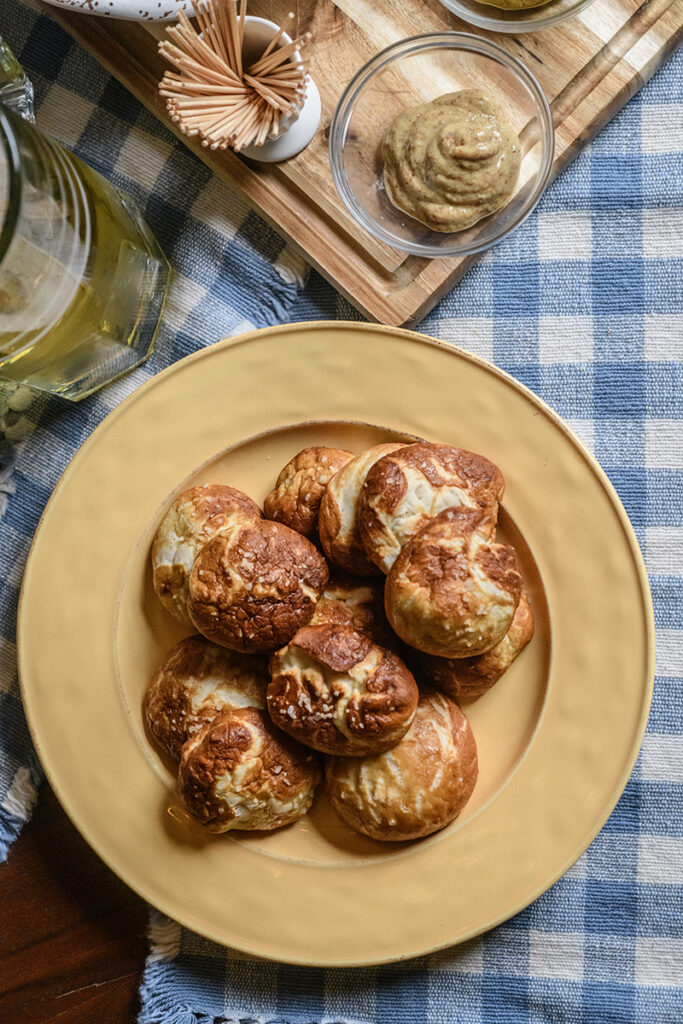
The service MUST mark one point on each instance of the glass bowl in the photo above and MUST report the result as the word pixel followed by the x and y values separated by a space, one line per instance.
pixel 529 20
pixel 415 71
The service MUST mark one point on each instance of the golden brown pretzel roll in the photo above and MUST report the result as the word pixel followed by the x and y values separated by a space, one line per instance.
pixel 467 678
pixel 337 523
pixel 452 591
pixel 408 487
pixel 418 786
pixel 336 691
pixel 195 517
pixel 357 604
pixel 254 586
pixel 295 499
pixel 196 681
pixel 239 772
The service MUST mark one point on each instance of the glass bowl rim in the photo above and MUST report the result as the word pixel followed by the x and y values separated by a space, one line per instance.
pixel 497 24
pixel 458 41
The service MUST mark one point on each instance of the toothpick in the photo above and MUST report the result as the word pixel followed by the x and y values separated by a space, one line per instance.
pixel 212 95
pixel 276 38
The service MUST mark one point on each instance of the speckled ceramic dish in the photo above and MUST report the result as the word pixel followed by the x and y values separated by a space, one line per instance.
pixel 557 737
pixel 134 10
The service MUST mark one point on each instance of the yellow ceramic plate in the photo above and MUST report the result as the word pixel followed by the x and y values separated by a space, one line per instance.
pixel 557 738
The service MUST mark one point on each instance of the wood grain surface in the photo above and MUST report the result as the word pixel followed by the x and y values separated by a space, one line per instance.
pixel 72 941
pixel 588 67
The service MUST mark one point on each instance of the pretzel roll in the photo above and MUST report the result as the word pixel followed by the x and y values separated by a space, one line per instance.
pixel 417 787
pixel 239 772
pixel 295 499
pixel 453 591
pixel 337 523
pixel 254 586
pixel 195 517
pixel 408 487
pixel 196 681
pixel 467 678
pixel 356 604
pixel 336 691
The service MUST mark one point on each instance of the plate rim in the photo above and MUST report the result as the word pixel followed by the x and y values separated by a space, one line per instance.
pixel 636 556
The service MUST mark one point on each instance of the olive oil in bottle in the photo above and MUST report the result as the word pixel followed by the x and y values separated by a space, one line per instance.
pixel 82 280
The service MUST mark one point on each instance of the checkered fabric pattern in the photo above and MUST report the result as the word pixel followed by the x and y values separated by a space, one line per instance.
pixel 584 304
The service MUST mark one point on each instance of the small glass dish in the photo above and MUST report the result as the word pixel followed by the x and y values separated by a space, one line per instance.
pixel 419 70
pixel 529 19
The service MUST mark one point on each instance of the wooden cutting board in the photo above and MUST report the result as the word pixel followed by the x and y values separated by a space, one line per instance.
pixel 589 67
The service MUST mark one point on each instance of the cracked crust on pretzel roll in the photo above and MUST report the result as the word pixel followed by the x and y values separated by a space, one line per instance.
pixel 337 521
pixel 453 591
pixel 356 604
pixel 336 691
pixel 196 681
pixel 239 772
pixel 416 788
pixel 254 586
pixel 467 678
pixel 195 517
pixel 295 499
pixel 408 487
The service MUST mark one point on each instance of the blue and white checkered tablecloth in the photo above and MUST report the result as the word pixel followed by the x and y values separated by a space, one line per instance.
pixel 584 304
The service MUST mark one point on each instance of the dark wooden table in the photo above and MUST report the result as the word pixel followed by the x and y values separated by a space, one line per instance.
pixel 72 936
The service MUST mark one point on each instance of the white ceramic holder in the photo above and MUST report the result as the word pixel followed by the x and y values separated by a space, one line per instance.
pixel 297 129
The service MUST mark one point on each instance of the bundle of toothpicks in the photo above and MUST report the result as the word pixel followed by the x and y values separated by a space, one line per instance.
pixel 213 95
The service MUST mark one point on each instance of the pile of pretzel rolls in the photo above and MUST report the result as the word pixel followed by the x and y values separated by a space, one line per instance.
pixel 336 632
pixel 219 96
